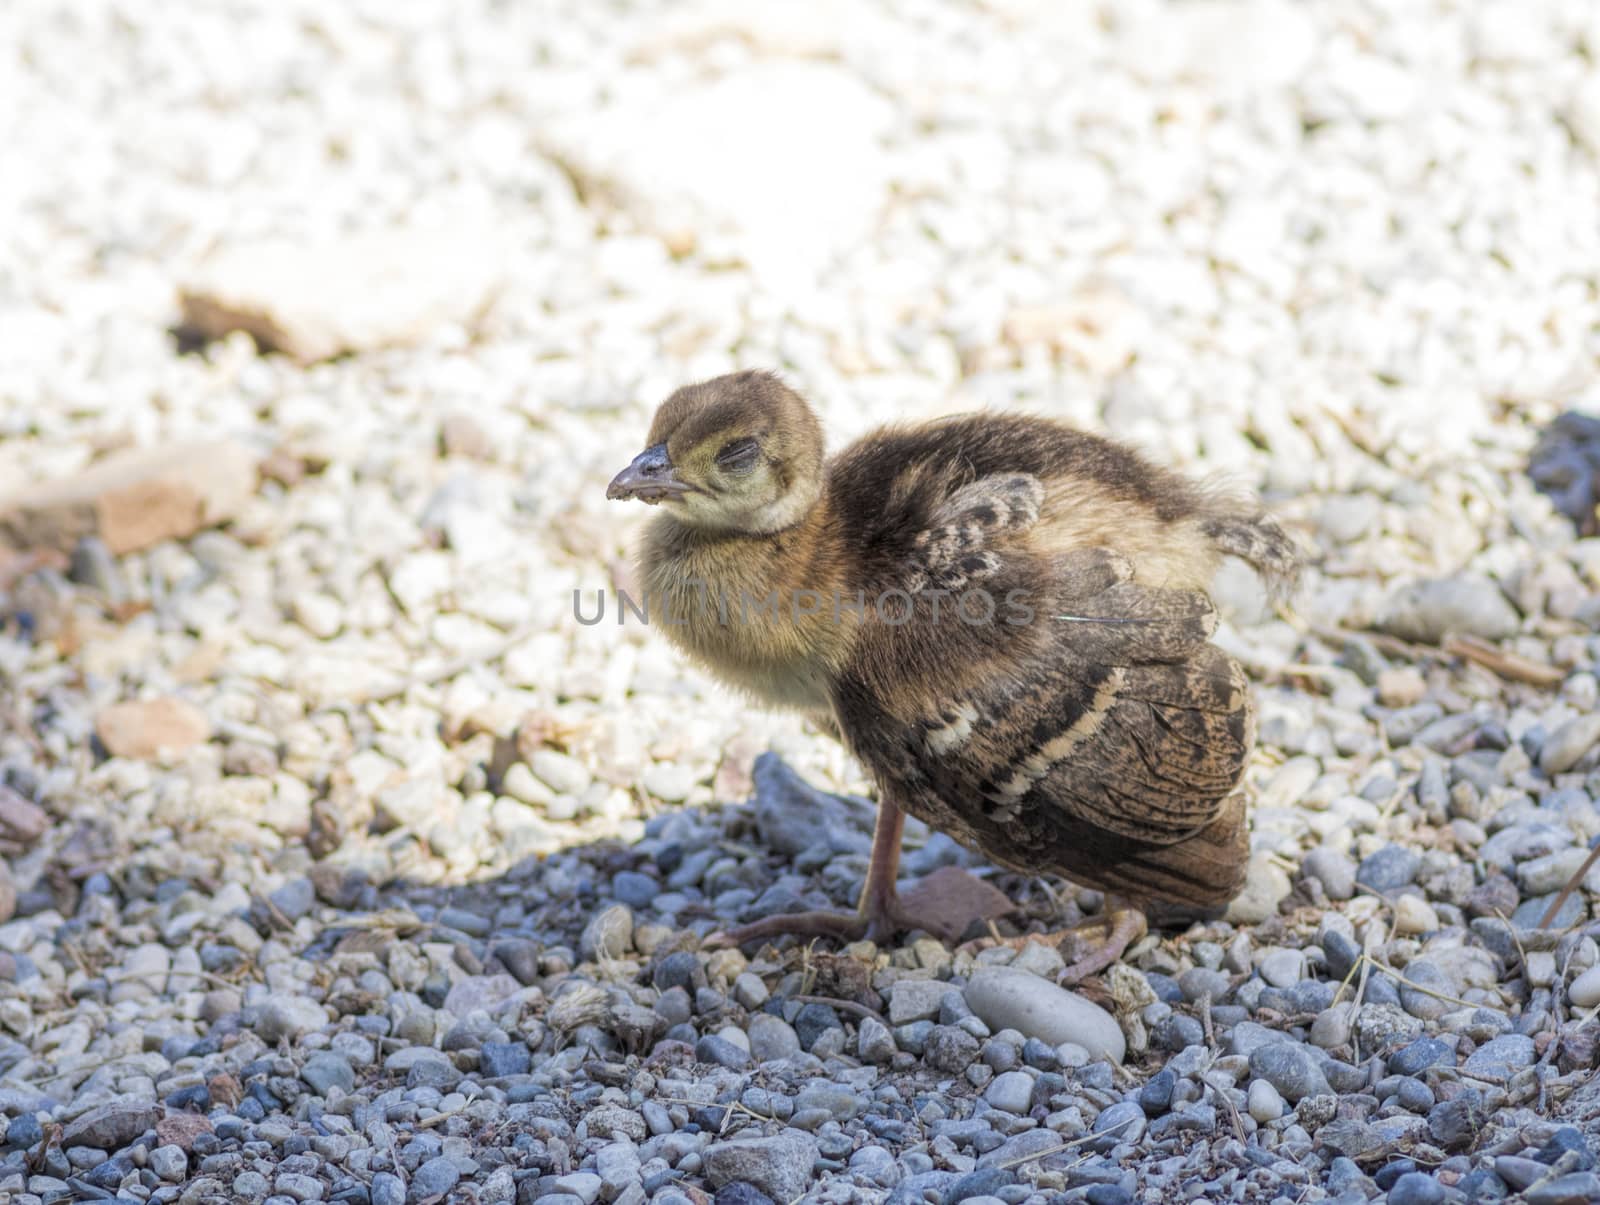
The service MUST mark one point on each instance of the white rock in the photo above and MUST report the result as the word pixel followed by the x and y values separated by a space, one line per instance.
pixel 669 781
pixel 1240 45
pixel 1006 999
pixel 1583 111
pixel 1283 967
pixel 520 784
pixel 371 289
pixel 1414 915
pixel 782 157
pixel 560 772
pixel 1265 1103
pixel 1584 991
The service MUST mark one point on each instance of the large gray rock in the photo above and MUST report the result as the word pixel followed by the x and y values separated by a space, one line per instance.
pixel 779 1166
pixel 113 1125
pixel 1467 604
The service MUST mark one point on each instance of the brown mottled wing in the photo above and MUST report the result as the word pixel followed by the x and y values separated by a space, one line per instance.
pixel 1104 739
pixel 957 546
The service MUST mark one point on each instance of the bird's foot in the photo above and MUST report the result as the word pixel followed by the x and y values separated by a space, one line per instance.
pixel 944 904
pixel 1123 926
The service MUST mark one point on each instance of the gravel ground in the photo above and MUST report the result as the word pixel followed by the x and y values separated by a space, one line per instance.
pixel 344 864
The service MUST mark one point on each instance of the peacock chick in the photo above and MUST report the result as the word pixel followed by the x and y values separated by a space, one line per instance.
pixel 1003 618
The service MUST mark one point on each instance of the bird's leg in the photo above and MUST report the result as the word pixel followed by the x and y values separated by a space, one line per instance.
pixel 944 903
pixel 1124 923
pixel 878 915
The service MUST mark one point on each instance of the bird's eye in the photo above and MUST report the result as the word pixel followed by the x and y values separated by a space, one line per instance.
pixel 739 456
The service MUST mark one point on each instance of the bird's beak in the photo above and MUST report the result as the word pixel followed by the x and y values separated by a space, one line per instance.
pixel 650 478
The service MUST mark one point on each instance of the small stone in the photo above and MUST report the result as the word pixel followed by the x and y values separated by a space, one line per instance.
pixel 1416 1057
pixel 947 1047
pixel 1501 1058
pixel 1119 1123
pixel 1265 887
pixel 324 1071
pixel 1283 968
pixel 1389 869
pixel 388 1189
pixel 171 1163
pixel 433 1180
pixel 583 1185
pixel 1584 991
pixel 812 1021
pixel 1567 745
pixel 152 729
pixel 1333 870
pixel 839 1103
pixel 1455 1124
pixel 1291 1069
pixel 874 1041
pixel 720 1052
pixel 298 1186
pixel 285 1018
pixel 1331 1027
pixel 1414 915
pixel 749 991
pixel 562 773
pixel 915 1000
pixel 1417 1188
pixel 1008 999
pixel 1403 687
pixel 608 935
pixel 1011 1092
pixel 1264 1101
pixel 1575 1188
pixel 1202 983
pixel 780 1166
pixel 499 1059
pixel 772 1038
pixel 22 822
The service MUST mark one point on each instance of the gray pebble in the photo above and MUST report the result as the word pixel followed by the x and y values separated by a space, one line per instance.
pixel 1011 1092
pixel 1388 869
pixel 772 1038
pixel 1290 1068
pixel 433 1179
pixel 1502 1057
pixel 1333 870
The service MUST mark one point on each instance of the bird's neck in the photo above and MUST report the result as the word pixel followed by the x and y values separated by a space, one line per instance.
pixel 767 613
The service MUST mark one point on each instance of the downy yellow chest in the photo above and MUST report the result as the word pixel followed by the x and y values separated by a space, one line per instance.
pixel 763 614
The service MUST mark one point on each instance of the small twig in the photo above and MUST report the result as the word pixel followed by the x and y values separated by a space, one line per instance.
pixel 427 1123
pixel 1572 885
pixel 860 1010
pixel 1065 1146
pixel 1516 938
pixel 1506 665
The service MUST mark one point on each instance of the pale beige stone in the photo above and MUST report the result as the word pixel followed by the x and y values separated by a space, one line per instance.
pixel 377 288
pixel 134 498
pixel 151 728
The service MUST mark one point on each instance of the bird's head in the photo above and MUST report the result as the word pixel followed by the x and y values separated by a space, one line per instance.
pixel 740 453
